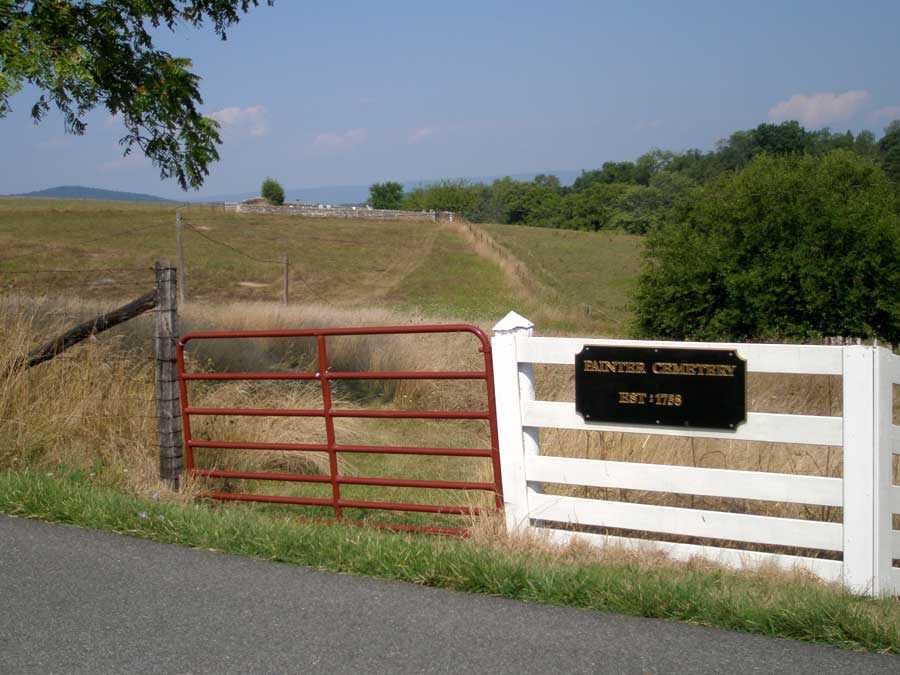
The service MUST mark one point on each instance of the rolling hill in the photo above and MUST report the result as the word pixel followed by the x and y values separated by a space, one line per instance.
pixel 81 192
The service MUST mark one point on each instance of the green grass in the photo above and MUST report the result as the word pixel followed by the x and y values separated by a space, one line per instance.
pixel 454 281
pixel 767 605
pixel 579 269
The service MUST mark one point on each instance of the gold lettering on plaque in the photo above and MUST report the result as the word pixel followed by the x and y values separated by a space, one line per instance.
pixel 630 367
pixel 699 369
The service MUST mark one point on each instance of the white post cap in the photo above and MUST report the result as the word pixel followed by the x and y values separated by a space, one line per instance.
pixel 513 323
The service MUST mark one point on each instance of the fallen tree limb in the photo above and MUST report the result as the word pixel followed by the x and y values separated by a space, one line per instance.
pixel 92 327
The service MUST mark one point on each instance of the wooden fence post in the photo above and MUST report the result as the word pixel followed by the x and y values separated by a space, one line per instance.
pixel 171 448
pixel 284 295
pixel 513 382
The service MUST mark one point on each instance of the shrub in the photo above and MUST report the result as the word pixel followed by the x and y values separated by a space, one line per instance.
pixel 272 191
pixel 386 195
pixel 790 247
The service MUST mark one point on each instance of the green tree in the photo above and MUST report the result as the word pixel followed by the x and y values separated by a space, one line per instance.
pixel 791 247
pixel 387 195
pixel 83 54
pixel 595 207
pixel 272 191
pixel 865 145
pixel 785 138
pixel 651 163
pixel 889 147
pixel 639 210
pixel 446 195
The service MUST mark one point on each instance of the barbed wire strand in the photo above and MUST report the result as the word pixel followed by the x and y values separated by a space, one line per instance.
pixel 318 296
pixel 105 270
pixel 97 286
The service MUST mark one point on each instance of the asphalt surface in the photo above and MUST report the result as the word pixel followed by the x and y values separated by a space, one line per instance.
pixel 80 601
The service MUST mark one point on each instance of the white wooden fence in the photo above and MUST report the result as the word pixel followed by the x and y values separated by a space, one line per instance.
pixel 865 494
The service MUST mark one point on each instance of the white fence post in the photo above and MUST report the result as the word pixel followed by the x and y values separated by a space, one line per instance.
pixel 514 441
pixel 867 470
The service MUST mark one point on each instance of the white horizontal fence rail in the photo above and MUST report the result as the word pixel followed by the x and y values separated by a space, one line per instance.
pixel 775 428
pixel 864 431
pixel 797 359
pixel 686 480
pixel 679 521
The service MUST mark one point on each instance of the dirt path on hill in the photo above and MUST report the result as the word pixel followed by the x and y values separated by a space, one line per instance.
pixel 516 271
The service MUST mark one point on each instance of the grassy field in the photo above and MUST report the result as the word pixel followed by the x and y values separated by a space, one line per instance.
pixel 422 268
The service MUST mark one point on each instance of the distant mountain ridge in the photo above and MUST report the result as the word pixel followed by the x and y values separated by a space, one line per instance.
pixel 328 194
pixel 81 192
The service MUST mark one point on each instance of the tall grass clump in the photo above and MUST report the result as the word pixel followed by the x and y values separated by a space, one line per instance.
pixel 91 408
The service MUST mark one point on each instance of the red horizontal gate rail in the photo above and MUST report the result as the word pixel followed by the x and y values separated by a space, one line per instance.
pixel 328 413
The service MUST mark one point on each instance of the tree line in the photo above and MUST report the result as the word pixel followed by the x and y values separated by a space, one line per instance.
pixel 778 234
pixel 638 196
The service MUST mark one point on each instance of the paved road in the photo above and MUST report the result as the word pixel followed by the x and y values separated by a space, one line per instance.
pixel 79 601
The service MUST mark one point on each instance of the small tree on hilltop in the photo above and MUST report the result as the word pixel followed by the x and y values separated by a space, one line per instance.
pixel 272 191
pixel 386 195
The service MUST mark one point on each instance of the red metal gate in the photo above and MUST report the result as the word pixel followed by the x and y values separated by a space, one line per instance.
pixel 329 413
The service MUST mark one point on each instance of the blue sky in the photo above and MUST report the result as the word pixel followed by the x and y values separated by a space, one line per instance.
pixel 343 93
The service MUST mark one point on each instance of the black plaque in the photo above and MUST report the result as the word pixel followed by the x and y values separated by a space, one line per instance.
pixel 704 388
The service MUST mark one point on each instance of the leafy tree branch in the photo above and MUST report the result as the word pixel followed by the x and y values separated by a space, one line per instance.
pixel 83 55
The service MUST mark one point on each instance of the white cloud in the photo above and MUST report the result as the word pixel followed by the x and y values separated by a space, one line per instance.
pixel 888 113
pixel 252 121
pixel 818 110
pixel 336 141
pixel 421 134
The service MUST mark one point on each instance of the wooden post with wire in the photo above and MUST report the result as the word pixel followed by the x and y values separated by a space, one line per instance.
pixel 182 286
pixel 171 447
pixel 284 295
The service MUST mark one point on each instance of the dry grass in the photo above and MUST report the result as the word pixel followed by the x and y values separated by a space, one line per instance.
pixel 91 409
